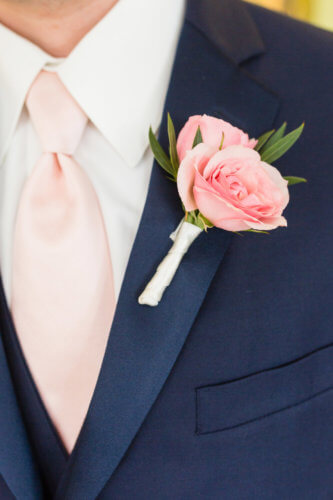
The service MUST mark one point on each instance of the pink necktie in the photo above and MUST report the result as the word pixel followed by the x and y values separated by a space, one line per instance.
pixel 62 288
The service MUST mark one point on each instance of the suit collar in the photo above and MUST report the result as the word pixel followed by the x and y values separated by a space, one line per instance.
pixel 228 25
pixel 144 343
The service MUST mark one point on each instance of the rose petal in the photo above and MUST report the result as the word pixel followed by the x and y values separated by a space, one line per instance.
pixel 195 160
pixel 211 129
pixel 238 153
pixel 216 209
pixel 278 181
pixel 269 223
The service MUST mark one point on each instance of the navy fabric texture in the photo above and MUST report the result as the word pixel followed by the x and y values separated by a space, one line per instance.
pixel 50 454
pixel 223 391
pixel 5 491
pixel 220 407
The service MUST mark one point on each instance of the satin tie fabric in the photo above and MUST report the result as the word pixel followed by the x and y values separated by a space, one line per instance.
pixel 62 299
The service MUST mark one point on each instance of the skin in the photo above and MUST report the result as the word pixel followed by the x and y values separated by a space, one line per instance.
pixel 54 25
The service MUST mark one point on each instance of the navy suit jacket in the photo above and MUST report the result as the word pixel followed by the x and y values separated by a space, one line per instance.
pixel 225 390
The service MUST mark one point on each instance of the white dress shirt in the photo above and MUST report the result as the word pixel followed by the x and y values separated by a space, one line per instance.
pixel 119 74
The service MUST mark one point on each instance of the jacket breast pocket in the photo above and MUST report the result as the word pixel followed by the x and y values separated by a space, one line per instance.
pixel 239 402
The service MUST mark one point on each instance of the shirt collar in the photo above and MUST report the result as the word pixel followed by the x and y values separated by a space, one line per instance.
pixel 118 73
pixel 20 62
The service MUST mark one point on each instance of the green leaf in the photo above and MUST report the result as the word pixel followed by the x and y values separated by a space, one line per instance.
pixel 172 179
pixel 160 155
pixel 197 219
pixel 275 137
pixel 191 217
pixel 278 149
pixel 294 180
pixel 198 138
pixel 256 231
pixel 204 222
pixel 222 142
pixel 263 139
pixel 199 223
pixel 173 145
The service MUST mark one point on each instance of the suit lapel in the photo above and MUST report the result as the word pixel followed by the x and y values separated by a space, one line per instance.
pixel 228 25
pixel 16 461
pixel 145 342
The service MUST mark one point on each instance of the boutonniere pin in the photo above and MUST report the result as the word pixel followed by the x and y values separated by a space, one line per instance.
pixel 224 180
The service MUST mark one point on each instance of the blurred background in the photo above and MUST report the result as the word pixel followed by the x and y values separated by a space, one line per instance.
pixel 319 12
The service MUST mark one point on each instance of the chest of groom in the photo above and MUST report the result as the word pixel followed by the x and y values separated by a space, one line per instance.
pixel 224 389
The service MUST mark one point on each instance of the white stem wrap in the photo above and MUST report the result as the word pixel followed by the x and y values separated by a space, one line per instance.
pixel 183 238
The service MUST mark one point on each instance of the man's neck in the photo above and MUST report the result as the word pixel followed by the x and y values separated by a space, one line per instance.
pixel 55 26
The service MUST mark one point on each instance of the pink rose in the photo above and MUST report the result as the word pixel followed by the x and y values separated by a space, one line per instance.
pixel 233 188
pixel 211 131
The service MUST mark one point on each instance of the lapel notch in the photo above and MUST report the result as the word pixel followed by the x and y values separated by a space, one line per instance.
pixel 228 25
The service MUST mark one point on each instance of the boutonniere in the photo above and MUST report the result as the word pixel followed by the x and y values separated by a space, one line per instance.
pixel 225 180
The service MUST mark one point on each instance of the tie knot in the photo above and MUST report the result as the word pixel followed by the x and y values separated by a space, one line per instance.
pixel 58 119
